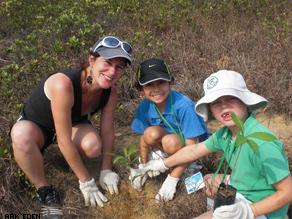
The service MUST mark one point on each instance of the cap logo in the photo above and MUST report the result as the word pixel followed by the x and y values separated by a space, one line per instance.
pixel 150 66
pixel 212 82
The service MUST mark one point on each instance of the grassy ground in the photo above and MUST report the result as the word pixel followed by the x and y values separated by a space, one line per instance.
pixel 195 38
pixel 129 203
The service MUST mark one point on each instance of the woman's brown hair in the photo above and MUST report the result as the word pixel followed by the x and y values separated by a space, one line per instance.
pixel 85 64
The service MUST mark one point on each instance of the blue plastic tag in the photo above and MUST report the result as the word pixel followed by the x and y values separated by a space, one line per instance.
pixel 194 182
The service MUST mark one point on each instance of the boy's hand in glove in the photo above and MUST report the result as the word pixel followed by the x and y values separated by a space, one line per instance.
pixel 238 210
pixel 91 193
pixel 109 180
pixel 167 190
pixel 155 165
pixel 155 155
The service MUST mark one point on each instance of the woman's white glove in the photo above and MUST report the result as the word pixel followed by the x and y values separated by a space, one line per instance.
pixel 137 178
pixel 91 193
pixel 155 155
pixel 155 165
pixel 238 210
pixel 109 180
pixel 167 189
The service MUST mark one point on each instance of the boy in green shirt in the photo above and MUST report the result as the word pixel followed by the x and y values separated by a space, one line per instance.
pixel 263 180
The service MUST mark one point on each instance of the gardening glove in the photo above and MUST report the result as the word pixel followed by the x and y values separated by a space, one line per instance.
pixel 155 165
pixel 109 180
pixel 136 177
pixel 238 210
pixel 91 193
pixel 167 189
pixel 155 155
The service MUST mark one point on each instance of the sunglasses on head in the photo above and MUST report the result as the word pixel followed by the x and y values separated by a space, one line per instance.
pixel 113 42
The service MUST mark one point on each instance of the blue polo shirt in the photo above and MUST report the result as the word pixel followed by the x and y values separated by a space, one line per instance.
pixel 191 124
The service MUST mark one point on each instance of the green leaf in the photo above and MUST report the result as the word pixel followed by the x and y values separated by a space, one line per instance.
pixel 263 136
pixel 240 140
pixel 132 149
pixel 125 151
pixel 135 159
pixel 116 160
pixel 253 145
pixel 120 159
pixel 237 122
pixel 110 153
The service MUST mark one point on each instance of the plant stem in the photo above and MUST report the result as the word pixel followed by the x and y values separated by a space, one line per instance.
pixel 235 163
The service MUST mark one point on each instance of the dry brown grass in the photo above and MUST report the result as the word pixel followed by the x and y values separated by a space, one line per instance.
pixel 16 197
pixel 258 47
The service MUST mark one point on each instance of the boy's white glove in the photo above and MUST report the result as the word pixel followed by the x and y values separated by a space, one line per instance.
pixel 155 165
pixel 167 189
pixel 137 178
pixel 155 155
pixel 238 210
pixel 109 180
pixel 91 193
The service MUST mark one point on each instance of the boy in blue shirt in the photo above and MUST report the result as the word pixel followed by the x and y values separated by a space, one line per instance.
pixel 263 179
pixel 166 120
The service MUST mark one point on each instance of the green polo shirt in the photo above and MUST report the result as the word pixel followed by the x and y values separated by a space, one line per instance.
pixel 254 174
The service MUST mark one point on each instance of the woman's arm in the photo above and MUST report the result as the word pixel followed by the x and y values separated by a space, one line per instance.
pixel 277 200
pixel 107 128
pixel 60 90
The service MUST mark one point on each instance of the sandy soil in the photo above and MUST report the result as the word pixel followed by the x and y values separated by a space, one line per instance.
pixel 131 203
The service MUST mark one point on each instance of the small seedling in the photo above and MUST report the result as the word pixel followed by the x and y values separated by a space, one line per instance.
pixel 240 140
pixel 126 158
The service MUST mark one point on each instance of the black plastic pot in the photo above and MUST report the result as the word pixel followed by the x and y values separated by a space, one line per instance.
pixel 225 196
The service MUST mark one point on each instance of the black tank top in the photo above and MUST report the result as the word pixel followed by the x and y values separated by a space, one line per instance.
pixel 38 106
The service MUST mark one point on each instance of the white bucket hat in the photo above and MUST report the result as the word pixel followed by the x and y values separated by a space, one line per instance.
pixel 227 83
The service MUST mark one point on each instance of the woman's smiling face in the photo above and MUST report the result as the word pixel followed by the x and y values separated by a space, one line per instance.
pixel 106 72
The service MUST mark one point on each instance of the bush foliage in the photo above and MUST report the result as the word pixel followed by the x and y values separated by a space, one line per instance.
pixel 195 38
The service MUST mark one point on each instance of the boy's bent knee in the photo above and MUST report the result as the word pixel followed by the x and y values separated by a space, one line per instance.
pixel 210 188
pixel 208 177
pixel 151 133
pixel 170 146
pixel 170 149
